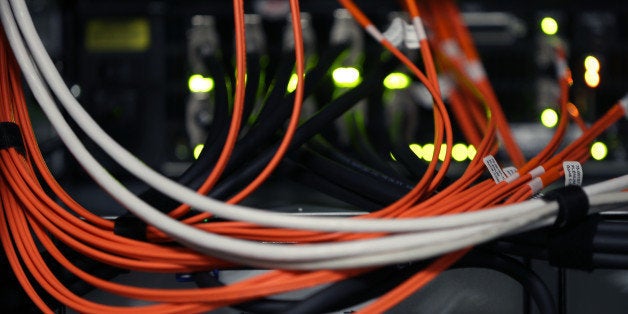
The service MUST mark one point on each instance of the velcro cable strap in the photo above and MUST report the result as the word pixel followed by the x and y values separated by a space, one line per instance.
pixel 572 246
pixel 573 205
pixel 11 136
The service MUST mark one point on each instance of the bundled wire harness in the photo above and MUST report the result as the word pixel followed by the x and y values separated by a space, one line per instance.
pixel 416 213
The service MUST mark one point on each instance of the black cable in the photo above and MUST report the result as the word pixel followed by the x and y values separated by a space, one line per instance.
pixel 326 150
pixel 277 108
pixel 528 279
pixel 382 192
pixel 307 130
pixel 261 306
pixel 346 293
pixel 306 177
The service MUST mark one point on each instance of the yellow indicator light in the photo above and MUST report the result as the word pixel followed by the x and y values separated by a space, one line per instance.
pixel 428 151
pixel 549 26
pixel 197 150
pixel 459 152
pixel 599 151
pixel 591 63
pixel 416 149
pixel 471 151
pixel 200 84
pixel 592 79
pixel 397 80
pixel 442 152
pixel 346 77
pixel 393 157
pixel 549 118
pixel 292 83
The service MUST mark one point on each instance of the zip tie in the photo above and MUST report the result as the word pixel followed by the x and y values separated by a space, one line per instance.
pixel 573 173
pixel 537 171
pixel 536 185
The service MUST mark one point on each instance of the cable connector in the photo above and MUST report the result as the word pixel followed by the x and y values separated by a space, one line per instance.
pixel 309 37
pixel 346 31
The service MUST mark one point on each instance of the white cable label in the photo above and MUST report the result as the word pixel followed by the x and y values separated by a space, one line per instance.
pixel 494 169
pixel 475 70
pixel 537 171
pixel 509 171
pixel 395 31
pixel 451 49
pixel 401 32
pixel 511 174
pixel 372 30
pixel 536 185
pixel 418 26
pixel 561 68
pixel 573 173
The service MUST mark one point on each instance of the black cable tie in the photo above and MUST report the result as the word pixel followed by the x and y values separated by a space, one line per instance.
pixel 11 136
pixel 573 205
pixel 572 246
pixel 131 227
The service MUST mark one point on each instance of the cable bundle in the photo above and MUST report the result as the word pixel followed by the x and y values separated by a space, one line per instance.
pixel 434 222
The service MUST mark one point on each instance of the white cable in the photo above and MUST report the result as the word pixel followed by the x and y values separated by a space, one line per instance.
pixel 611 185
pixel 203 241
pixel 185 195
pixel 173 189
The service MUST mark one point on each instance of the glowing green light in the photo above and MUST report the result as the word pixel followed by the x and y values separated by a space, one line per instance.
pixel 592 79
pixel 442 152
pixel 393 156
pixel 459 152
pixel 428 152
pixel 292 83
pixel 200 84
pixel 549 118
pixel 549 26
pixel 346 77
pixel 416 149
pixel 197 150
pixel 397 80
pixel 599 151
pixel 591 63
pixel 471 151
